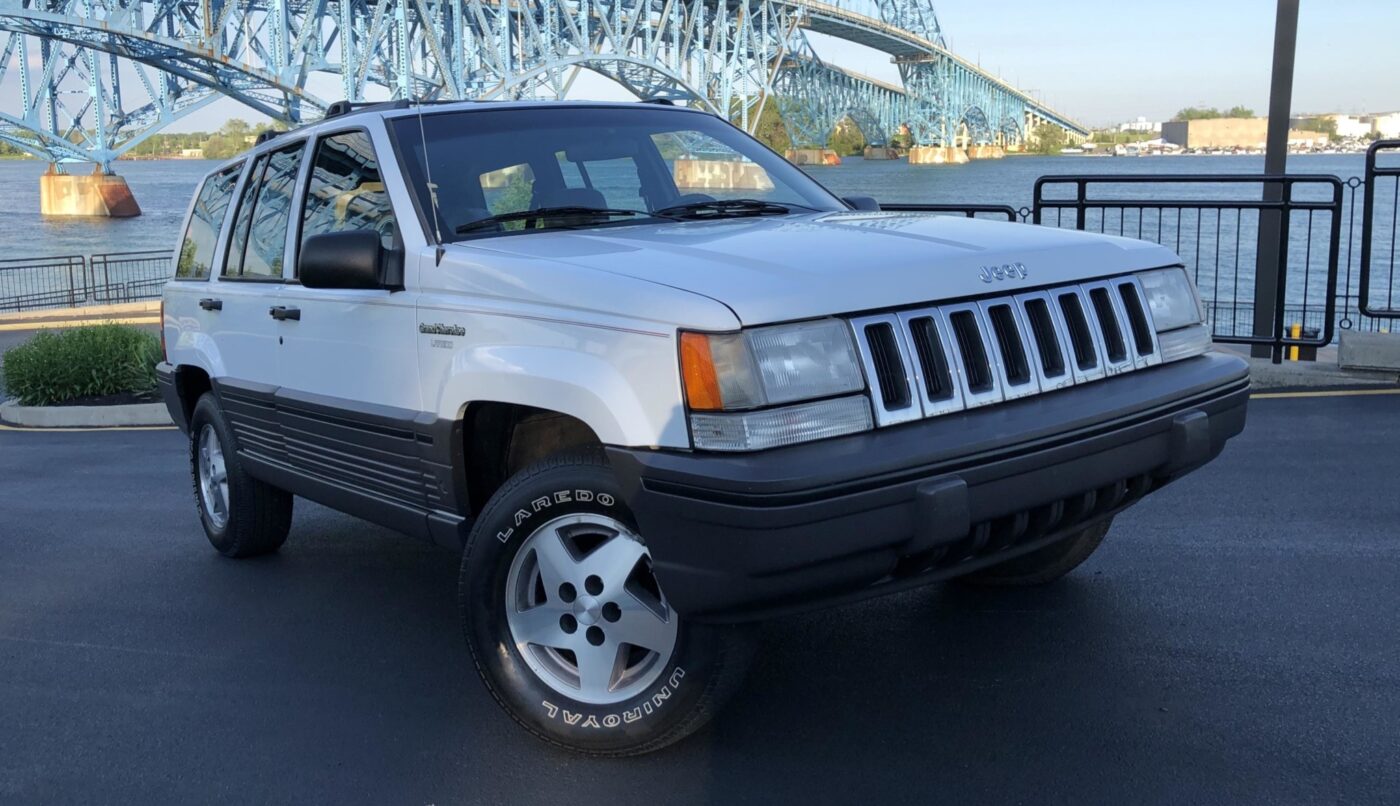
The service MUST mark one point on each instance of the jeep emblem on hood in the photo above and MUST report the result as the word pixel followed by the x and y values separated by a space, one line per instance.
pixel 1006 271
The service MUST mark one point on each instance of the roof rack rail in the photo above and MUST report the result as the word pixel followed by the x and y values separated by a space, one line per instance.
pixel 265 135
pixel 659 101
pixel 341 108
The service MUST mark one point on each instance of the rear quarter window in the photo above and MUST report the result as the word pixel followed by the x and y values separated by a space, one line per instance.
pixel 202 231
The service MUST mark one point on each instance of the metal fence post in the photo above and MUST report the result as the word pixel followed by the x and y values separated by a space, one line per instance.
pixel 1273 250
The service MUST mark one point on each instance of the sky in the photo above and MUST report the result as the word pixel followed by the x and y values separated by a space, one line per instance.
pixel 1103 63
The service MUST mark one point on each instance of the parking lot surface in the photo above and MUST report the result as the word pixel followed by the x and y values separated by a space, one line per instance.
pixel 1235 640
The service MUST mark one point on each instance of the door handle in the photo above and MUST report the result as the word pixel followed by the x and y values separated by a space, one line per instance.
pixel 282 313
pixel 211 304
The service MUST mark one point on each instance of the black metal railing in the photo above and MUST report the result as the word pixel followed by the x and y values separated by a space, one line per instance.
pixel 128 276
pixel 53 282
pixel 1213 223
pixel 1377 289
pixel 70 281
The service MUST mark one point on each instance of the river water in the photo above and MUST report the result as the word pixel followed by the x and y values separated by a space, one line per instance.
pixel 1218 246
pixel 163 189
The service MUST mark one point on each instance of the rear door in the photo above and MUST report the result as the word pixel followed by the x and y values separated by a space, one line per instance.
pixel 247 289
pixel 192 309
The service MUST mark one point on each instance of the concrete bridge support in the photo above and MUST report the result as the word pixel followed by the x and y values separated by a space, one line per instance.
pixel 937 155
pixel 812 156
pixel 881 153
pixel 986 152
pixel 95 194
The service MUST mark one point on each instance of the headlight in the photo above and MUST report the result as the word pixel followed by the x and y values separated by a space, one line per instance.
pixel 764 368
pixel 1176 313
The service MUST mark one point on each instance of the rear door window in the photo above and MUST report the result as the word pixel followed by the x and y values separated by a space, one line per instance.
pixel 202 232
pixel 259 239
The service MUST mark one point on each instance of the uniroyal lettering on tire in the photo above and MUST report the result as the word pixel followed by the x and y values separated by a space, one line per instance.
pixel 555 578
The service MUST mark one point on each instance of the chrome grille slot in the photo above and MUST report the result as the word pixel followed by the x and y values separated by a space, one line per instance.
pixel 880 342
pixel 1108 324
pixel 889 369
pixel 1009 347
pixel 1046 326
pixel 1108 316
pixel 1047 343
pixel 1083 336
pixel 1134 303
pixel 933 362
pixel 936 360
pixel 979 375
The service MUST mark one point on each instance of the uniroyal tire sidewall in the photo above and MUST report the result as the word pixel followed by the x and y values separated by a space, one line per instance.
pixel 667 705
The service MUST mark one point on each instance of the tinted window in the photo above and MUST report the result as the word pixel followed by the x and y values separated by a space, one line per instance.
pixel 487 162
pixel 345 191
pixel 242 218
pixel 261 226
pixel 202 233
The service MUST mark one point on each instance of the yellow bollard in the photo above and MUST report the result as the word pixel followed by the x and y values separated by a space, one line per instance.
pixel 1295 330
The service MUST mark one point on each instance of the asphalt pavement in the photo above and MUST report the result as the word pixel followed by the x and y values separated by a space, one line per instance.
pixel 1234 641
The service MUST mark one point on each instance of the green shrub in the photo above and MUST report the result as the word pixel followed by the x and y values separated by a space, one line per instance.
pixel 61 366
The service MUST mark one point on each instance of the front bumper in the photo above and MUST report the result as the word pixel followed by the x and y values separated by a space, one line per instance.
pixel 741 536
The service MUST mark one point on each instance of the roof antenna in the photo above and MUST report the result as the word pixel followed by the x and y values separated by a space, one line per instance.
pixel 432 187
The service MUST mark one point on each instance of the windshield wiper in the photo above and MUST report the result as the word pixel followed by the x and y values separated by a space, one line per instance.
pixel 552 212
pixel 723 208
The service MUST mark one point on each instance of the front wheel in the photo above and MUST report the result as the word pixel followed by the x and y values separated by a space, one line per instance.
pixel 567 623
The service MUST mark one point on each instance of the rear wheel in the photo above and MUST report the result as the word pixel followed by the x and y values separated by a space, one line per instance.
pixel 1045 564
pixel 242 516
pixel 569 627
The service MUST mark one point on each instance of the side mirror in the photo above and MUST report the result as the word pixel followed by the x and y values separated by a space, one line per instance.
pixel 349 259
pixel 863 203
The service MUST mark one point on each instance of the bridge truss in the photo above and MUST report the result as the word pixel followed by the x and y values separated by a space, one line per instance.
pixel 88 80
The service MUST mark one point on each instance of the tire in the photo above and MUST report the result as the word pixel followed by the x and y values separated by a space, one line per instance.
pixel 1044 565
pixel 557 525
pixel 246 517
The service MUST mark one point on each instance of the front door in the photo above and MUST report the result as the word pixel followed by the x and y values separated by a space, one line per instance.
pixel 350 348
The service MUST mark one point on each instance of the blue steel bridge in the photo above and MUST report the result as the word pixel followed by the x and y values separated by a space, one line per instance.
pixel 88 80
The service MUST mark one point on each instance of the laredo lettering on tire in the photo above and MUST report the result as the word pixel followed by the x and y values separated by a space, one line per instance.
pixel 568 625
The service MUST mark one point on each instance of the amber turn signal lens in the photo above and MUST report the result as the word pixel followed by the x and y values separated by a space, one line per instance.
pixel 698 370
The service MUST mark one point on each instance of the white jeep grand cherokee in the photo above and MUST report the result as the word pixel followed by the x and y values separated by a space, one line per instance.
pixel 652 380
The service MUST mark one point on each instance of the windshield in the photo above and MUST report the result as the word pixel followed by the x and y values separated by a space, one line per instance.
pixel 515 171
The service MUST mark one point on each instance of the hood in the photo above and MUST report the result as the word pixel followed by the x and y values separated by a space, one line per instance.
pixel 797 267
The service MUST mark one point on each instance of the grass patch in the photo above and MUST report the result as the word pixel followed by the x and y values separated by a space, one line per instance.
pixel 58 367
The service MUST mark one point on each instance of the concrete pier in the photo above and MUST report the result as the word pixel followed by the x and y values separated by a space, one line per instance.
pixel 881 153
pixel 985 152
pixel 937 155
pixel 721 174
pixel 812 156
pixel 94 194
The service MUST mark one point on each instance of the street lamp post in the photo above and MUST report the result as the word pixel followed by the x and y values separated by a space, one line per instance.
pixel 1272 261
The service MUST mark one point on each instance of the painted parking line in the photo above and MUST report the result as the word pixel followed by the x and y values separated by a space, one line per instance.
pixel 1324 393
pixel 65 323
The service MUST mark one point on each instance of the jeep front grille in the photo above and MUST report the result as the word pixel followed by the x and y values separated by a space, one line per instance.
pixel 962 355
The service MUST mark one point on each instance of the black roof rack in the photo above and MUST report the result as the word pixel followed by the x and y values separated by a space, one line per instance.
pixel 659 101
pixel 342 108
pixel 265 135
